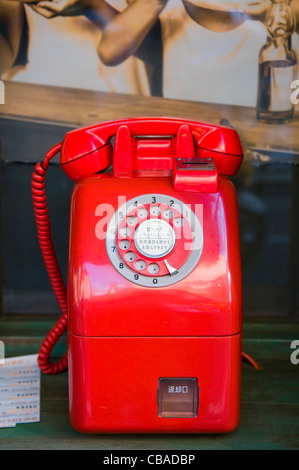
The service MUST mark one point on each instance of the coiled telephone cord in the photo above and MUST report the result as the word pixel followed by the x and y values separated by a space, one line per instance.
pixel 49 256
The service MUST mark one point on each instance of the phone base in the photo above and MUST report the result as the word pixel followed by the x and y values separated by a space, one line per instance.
pixel 155 384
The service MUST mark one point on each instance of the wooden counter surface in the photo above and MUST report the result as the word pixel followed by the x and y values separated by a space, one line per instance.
pixel 75 108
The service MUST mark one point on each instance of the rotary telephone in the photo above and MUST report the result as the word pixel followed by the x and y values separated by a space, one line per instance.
pixel 153 305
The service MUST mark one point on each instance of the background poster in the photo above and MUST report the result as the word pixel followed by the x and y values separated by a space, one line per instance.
pixel 204 51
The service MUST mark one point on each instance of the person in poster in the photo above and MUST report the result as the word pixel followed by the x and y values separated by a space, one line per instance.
pixel 58 46
pixel 12 33
pixel 210 49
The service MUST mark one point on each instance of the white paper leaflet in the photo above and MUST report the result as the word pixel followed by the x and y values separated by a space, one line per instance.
pixel 19 391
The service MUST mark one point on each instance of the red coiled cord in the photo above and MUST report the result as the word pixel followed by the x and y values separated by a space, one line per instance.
pixel 49 256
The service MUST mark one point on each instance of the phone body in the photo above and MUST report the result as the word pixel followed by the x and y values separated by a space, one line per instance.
pixel 154 277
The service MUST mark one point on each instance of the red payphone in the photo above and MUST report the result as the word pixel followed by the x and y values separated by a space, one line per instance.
pixel 153 306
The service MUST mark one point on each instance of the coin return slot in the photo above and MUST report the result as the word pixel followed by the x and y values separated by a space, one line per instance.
pixel 178 397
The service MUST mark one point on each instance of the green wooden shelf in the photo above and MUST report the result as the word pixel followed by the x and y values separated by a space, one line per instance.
pixel 270 397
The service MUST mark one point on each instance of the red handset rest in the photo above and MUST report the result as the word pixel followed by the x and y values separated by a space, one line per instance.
pixel 156 138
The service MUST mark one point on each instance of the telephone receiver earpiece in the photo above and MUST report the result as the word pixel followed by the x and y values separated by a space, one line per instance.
pixel 148 143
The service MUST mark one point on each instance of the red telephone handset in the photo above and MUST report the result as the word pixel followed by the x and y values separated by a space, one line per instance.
pixel 88 150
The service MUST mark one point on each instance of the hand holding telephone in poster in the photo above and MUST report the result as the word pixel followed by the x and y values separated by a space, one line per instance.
pixel 154 267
